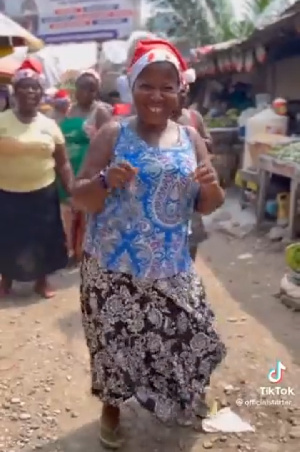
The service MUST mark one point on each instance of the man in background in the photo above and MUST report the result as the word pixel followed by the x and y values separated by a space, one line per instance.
pixel 114 98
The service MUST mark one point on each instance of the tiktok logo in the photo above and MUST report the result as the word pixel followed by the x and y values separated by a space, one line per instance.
pixel 275 375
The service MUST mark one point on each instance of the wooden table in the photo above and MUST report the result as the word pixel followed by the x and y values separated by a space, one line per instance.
pixel 267 166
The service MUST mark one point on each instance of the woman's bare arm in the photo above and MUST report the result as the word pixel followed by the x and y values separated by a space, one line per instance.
pixel 103 115
pixel 63 167
pixel 211 196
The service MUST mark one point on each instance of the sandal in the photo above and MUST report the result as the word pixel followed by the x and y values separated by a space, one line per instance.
pixel 111 438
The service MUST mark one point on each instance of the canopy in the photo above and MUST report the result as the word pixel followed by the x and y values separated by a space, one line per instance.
pixel 12 34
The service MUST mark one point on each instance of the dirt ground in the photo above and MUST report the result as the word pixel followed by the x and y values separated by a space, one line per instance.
pixel 44 371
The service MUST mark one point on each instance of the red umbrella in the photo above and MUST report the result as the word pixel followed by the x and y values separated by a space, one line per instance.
pixel 8 66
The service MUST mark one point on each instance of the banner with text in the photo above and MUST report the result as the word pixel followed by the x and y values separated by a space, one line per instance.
pixel 58 21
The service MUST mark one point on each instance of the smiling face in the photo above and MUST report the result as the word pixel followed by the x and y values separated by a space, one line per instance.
pixel 28 95
pixel 155 93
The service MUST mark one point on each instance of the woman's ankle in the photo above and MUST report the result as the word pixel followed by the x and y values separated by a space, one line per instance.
pixel 43 288
pixel 5 286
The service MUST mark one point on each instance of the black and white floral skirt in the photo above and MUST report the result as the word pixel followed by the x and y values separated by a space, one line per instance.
pixel 152 340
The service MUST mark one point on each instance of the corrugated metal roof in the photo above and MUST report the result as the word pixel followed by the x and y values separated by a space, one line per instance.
pixel 219 47
pixel 274 12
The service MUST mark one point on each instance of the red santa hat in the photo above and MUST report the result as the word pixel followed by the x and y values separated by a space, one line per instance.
pixel 61 94
pixel 30 68
pixel 154 51
pixel 33 65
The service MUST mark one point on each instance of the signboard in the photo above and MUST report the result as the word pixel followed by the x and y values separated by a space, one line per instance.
pixel 58 21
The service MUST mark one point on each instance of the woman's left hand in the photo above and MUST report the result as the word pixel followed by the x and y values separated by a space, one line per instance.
pixel 205 174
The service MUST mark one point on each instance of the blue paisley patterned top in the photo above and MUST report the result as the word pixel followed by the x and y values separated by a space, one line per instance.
pixel 143 230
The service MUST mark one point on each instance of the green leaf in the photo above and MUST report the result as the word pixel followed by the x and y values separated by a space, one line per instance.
pixel 205 22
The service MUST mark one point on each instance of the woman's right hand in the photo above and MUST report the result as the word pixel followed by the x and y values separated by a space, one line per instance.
pixel 118 176
pixel 88 194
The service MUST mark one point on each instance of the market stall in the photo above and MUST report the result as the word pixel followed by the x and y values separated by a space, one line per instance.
pixel 226 144
pixel 226 152
pixel 271 166
pixel 223 101
pixel 267 63
pixel 283 161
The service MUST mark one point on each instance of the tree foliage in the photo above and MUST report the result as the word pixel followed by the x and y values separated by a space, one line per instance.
pixel 205 22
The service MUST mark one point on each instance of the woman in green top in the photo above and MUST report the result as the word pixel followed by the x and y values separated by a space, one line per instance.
pixel 84 118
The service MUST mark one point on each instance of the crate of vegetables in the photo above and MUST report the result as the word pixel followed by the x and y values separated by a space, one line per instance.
pixel 289 153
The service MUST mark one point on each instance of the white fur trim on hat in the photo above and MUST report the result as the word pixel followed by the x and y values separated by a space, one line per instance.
pixel 153 56
pixel 189 76
pixel 124 89
pixel 51 92
pixel 29 73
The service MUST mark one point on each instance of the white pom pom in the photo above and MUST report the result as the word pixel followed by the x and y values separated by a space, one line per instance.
pixel 133 41
pixel 51 92
pixel 189 76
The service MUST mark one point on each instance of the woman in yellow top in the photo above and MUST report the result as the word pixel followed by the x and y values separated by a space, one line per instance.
pixel 32 153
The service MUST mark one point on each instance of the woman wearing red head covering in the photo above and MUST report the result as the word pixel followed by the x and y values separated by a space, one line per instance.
pixel 32 155
pixel 61 104
pixel 148 326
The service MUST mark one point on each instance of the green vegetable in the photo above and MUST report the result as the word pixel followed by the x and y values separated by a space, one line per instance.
pixel 288 153
pixel 228 120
